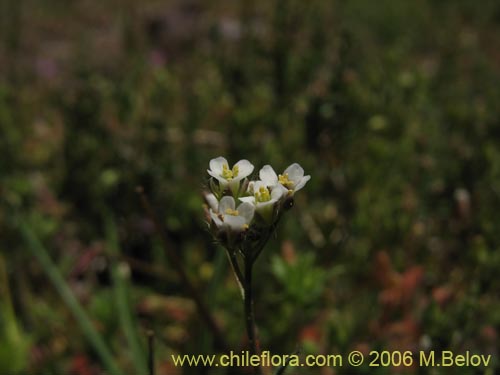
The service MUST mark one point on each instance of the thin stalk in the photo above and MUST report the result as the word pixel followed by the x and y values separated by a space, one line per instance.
pixel 236 270
pixel 95 339
pixel 8 309
pixel 121 287
pixel 151 352
pixel 249 314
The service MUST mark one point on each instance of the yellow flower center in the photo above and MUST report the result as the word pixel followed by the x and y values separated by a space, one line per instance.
pixel 262 195
pixel 283 180
pixel 232 212
pixel 229 174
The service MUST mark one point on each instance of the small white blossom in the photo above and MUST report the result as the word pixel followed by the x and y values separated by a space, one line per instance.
pixel 230 218
pixel 263 198
pixel 219 169
pixel 292 179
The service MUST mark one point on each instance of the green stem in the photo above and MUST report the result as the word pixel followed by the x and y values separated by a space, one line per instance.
pixel 121 287
pixel 67 295
pixel 236 270
pixel 151 352
pixel 249 313
pixel 122 297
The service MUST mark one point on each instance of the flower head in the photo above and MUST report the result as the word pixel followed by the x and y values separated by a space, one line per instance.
pixel 247 226
pixel 230 218
pixel 226 176
pixel 292 179
pixel 263 198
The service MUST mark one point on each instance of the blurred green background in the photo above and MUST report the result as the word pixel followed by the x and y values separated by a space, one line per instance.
pixel 391 106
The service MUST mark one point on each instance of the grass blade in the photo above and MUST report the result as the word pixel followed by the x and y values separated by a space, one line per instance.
pixel 120 275
pixel 94 338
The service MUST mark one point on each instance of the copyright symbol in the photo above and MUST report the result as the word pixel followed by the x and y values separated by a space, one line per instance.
pixel 355 358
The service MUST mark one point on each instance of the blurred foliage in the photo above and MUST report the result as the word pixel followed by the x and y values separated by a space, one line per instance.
pixel 13 341
pixel 391 106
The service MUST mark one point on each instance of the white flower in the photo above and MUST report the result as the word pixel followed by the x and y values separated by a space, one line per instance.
pixel 229 218
pixel 263 198
pixel 219 169
pixel 292 179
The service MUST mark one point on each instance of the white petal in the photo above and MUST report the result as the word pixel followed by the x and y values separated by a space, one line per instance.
pixel 295 172
pixel 246 210
pixel 235 223
pixel 248 199
pixel 217 176
pixel 225 203
pixel 212 201
pixel 301 183
pixel 250 188
pixel 258 185
pixel 268 175
pixel 217 163
pixel 245 168
pixel 216 219
pixel 281 188
pixel 277 193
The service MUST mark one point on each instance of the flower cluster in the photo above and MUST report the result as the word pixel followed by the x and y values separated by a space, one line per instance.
pixel 242 212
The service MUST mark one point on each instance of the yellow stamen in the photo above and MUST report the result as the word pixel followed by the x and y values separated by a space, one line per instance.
pixel 245 226
pixel 232 212
pixel 236 170
pixel 226 172
pixel 283 180
pixel 229 174
pixel 262 195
